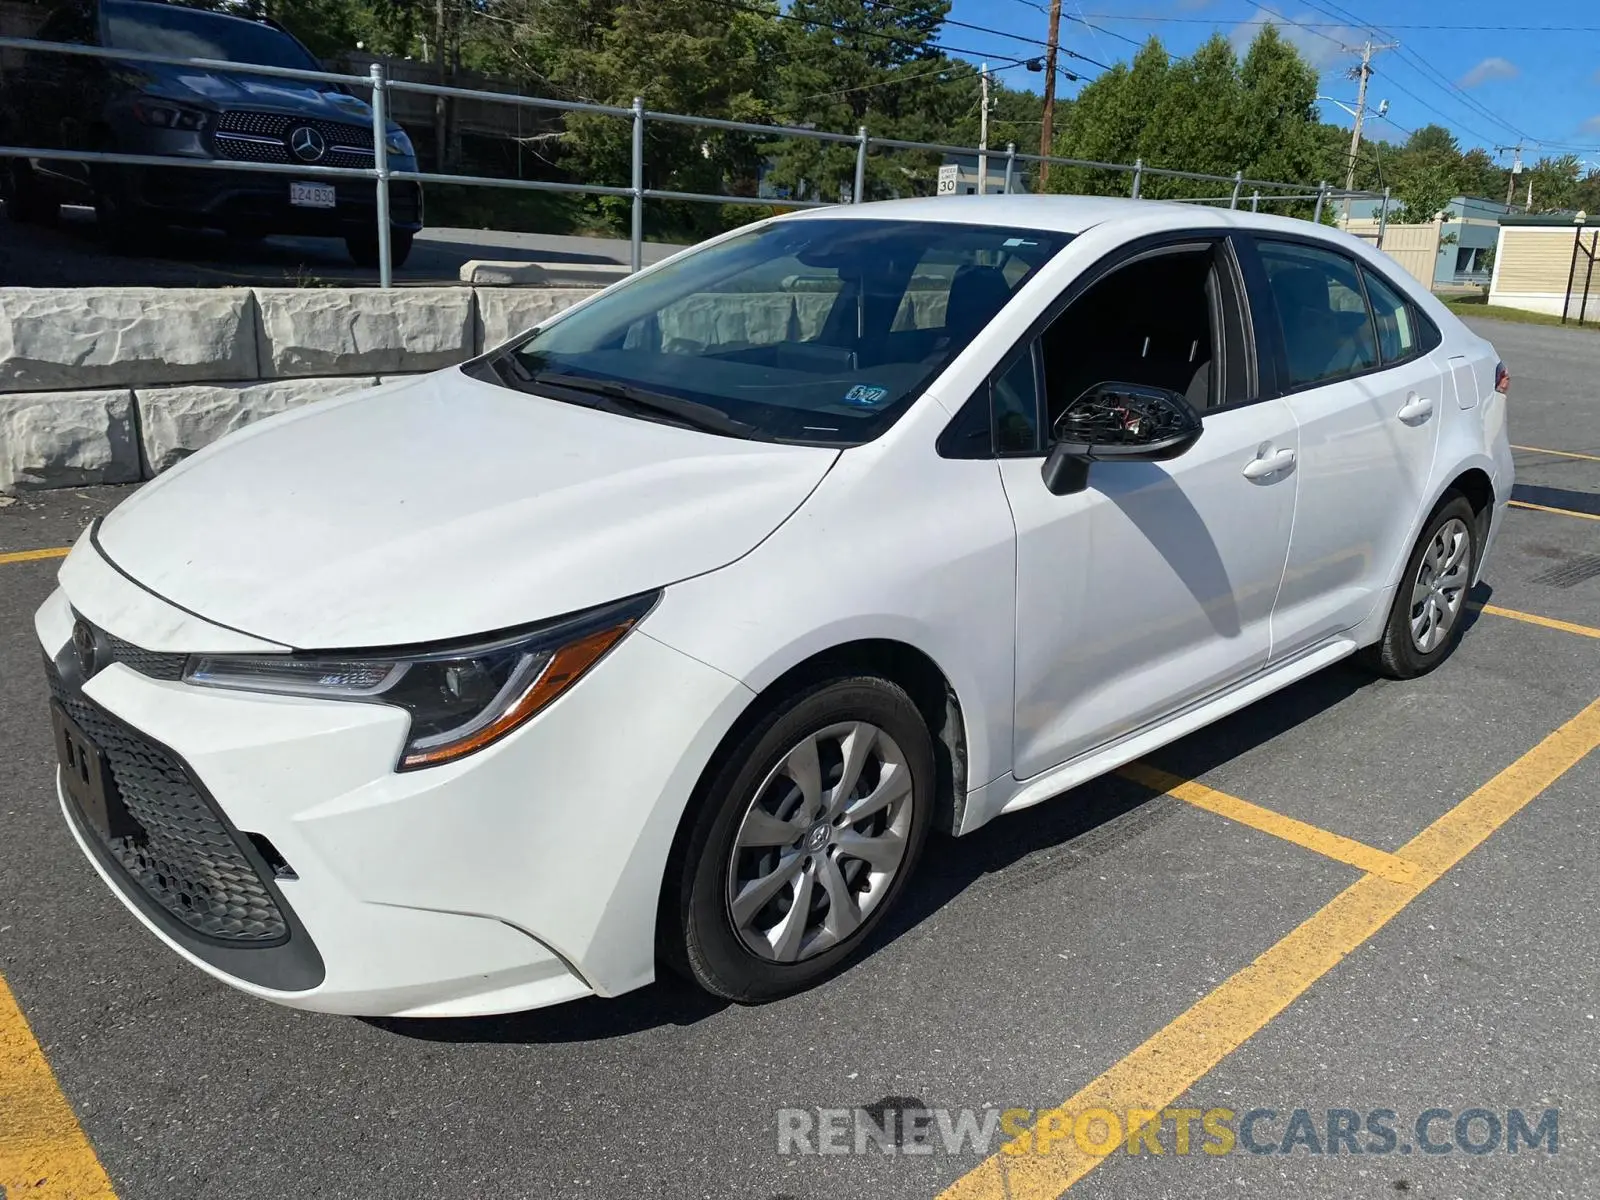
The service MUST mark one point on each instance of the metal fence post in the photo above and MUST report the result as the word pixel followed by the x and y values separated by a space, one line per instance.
pixel 1322 196
pixel 861 166
pixel 1238 184
pixel 1138 175
pixel 636 246
pixel 1255 200
pixel 1011 165
pixel 380 163
pixel 1383 218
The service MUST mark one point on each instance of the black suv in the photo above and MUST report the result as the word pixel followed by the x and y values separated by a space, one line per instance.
pixel 74 102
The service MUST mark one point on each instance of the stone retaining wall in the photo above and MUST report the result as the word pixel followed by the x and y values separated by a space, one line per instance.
pixel 111 385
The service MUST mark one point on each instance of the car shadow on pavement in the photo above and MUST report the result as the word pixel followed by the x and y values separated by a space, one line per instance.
pixel 1069 830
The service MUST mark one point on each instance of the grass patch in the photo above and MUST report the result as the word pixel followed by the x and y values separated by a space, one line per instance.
pixel 1478 306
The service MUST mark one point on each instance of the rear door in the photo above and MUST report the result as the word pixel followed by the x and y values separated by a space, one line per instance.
pixel 1366 396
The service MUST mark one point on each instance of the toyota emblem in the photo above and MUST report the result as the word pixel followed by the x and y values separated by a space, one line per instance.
pixel 306 143
pixel 83 645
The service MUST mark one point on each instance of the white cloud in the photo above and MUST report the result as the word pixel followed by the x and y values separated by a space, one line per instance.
pixel 1322 47
pixel 1592 125
pixel 1488 71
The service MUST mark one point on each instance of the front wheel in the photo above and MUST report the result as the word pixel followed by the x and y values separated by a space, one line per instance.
pixel 363 248
pixel 810 828
pixel 1425 623
pixel 28 200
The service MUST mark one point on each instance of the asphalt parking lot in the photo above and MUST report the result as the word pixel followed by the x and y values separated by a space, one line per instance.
pixel 1356 897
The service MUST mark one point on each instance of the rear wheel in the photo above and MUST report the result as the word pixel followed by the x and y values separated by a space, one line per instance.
pixel 810 828
pixel 1426 621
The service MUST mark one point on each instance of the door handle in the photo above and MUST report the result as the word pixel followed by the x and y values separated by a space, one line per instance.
pixel 1416 408
pixel 1269 464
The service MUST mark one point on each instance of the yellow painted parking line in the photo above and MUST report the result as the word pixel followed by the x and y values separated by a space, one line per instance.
pixel 1560 512
pixel 1558 453
pixel 1363 857
pixel 1174 1058
pixel 11 556
pixel 1494 610
pixel 44 1154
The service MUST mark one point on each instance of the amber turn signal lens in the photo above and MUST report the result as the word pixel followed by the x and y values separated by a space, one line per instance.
pixel 566 666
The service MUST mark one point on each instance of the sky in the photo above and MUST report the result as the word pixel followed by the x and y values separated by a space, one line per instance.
pixel 1493 73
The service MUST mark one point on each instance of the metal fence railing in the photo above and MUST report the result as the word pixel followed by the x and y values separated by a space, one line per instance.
pixel 1261 191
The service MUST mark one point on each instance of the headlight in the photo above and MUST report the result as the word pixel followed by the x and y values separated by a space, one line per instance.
pixel 461 698
pixel 399 143
pixel 164 115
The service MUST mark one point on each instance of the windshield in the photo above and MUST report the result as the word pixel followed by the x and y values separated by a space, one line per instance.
pixel 818 330
pixel 188 33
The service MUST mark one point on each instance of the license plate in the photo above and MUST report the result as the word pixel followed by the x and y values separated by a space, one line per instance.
pixel 311 195
pixel 83 775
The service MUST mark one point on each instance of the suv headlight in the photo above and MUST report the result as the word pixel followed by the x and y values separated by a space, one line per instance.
pixel 461 697
pixel 398 143
pixel 166 115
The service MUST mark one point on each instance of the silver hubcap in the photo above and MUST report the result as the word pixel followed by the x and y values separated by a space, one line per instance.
pixel 821 842
pixel 1441 585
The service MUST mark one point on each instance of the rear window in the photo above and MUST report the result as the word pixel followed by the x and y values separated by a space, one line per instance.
pixel 188 33
pixel 816 330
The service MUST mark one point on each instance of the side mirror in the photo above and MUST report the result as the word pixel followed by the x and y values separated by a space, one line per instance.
pixel 1117 422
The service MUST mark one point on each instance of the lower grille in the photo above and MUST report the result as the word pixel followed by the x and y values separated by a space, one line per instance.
pixel 182 855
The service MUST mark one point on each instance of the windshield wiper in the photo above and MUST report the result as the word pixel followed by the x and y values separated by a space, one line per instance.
pixel 704 417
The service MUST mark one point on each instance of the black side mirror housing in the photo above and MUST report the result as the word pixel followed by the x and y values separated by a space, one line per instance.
pixel 1117 422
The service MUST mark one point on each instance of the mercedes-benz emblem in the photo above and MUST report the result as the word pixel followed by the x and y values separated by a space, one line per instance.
pixel 83 645
pixel 306 143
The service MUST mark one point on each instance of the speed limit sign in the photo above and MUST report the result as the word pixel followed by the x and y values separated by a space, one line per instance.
pixel 949 176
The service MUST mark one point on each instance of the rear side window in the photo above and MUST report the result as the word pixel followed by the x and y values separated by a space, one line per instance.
pixel 1327 329
pixel 1397 323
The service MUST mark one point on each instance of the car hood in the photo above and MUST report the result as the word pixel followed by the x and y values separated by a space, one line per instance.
pixel 300 98
pixel 445 507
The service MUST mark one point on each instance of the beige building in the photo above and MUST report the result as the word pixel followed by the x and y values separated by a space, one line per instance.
pixel 1535 260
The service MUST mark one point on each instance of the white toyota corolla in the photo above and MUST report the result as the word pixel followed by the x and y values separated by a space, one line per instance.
pixel 667 633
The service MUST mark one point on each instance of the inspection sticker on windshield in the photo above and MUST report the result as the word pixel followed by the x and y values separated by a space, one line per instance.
pixel 866 395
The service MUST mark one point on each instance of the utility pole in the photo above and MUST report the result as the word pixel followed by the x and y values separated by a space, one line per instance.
pixel 1516 169
pixel 1047 126
pixel 1362 73
pixel 983 130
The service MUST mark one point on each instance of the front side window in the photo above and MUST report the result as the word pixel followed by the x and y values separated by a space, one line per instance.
pixel 1327 330
pixel 821 330
pixel 1397 330
pixel 192 33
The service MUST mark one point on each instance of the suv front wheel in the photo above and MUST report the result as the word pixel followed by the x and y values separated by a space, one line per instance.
pixel 363 247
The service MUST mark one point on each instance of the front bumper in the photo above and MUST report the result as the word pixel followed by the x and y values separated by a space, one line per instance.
pixel 258 201
pixel 524 875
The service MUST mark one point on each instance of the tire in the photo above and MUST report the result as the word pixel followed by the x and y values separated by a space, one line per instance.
pixel 28 202
pixel 364 248
pixel 1449 537
pixel 762 951
pixel 116 221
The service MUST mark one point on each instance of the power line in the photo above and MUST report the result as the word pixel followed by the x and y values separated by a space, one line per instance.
pixel 1321 25
pixel 1449 85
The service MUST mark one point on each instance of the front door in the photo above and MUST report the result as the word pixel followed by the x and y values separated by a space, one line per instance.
pixel 1154 586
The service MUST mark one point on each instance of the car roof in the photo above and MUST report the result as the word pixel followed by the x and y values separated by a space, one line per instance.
pixel 1063 214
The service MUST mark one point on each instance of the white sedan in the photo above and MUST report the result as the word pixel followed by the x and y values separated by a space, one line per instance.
pixel 667 633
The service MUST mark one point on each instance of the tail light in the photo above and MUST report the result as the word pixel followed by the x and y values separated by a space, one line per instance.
pixel 1502 379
